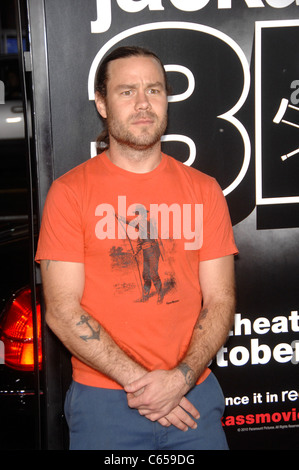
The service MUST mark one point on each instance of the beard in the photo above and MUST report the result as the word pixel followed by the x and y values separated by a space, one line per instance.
pixel 147 135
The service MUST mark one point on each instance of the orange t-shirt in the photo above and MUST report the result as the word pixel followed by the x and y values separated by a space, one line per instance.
pixel 140 237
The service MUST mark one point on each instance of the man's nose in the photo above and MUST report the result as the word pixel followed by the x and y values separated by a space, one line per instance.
pixel 142 100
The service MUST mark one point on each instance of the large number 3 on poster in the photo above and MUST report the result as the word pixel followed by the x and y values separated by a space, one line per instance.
pixel 228 116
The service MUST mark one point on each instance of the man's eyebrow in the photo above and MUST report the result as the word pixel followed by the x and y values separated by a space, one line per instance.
pixel 124 86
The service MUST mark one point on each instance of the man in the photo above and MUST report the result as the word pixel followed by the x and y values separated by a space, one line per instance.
pixel 140 375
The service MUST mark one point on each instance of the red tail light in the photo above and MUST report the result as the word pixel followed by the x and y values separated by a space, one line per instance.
pixel 16 332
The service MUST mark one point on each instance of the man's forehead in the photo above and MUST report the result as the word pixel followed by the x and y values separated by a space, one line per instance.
pixel 129 66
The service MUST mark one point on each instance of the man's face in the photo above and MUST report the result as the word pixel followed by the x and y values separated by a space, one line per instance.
pixel 136 103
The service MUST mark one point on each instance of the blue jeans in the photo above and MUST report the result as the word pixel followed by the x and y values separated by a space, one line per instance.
pixel 100 419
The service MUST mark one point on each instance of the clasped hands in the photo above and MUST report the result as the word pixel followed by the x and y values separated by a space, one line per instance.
pixel 160 396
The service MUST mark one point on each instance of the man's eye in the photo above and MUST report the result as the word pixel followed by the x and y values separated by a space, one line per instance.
pixel 153 91
pixel 126 93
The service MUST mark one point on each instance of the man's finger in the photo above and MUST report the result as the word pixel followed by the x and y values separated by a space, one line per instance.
pixel 179 419
pixel 185 417
pixel 187 406
pixel 164 422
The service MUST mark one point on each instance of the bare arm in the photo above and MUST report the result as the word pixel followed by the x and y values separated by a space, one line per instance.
pixel 63 284
pixel 217 281
pixel 164 389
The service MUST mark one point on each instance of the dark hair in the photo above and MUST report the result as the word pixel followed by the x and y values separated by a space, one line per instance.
pixel 101 78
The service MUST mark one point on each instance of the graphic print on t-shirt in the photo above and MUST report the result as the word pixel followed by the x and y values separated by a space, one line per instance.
pixel 143 255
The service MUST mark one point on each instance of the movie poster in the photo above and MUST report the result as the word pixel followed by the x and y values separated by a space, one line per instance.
pixel 234 114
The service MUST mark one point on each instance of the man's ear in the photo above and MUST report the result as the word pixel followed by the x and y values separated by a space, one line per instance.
pixel 100 104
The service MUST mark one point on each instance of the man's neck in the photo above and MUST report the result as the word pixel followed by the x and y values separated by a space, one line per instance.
pixel 135 161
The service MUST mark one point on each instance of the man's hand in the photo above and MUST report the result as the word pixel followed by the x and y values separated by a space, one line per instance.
pixel 159 396
pixel 180 418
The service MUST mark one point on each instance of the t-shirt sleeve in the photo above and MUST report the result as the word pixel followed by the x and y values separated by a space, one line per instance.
pixel 217 236
pixel 61 234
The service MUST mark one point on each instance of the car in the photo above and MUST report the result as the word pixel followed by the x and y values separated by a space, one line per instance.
pixel 35 368
pixel 20 393
pixel 19 403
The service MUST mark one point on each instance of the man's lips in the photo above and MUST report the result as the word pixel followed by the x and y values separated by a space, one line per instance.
pixel 143 120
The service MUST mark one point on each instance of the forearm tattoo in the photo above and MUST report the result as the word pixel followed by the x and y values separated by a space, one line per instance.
pixel 94 334
pixel 188 373
pixel 203 314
